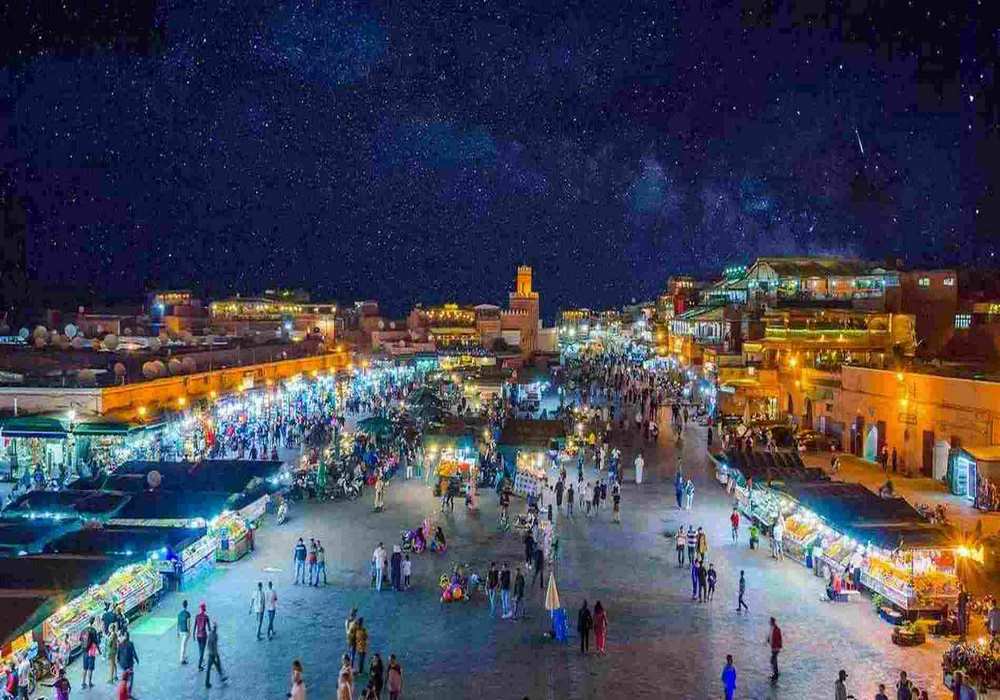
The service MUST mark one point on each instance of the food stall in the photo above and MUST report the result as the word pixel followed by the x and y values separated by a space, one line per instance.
pixel 451 451
pixel 132 587
pixel 913 566
pixel 179 553
pixel 978 661
pixel 526 446
pixel 230 531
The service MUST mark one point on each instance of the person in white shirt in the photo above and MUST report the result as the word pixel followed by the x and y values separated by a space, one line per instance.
pixel 378 558
pixel 272 608
pixel 639 464
pixel 407 564
pixel 257 605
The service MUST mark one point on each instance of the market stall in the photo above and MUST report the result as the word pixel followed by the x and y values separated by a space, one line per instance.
pixel 230 531
pixel 68 503
pixel 913 566
pixel 179 553
pixel 132 589
pixel 526 447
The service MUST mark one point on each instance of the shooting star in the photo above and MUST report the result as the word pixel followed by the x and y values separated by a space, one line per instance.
pixel 860 146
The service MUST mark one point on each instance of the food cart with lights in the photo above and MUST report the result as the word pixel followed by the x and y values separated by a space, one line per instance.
pixel 451 452
pixel 913 566
pixel 526 446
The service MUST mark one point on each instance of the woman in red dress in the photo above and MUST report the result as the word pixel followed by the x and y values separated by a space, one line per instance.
pixel 600 627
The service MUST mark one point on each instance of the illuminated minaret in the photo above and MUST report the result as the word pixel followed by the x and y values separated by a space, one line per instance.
pixel 523 310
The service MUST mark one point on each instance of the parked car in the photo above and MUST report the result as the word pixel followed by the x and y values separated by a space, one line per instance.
pixel 815 441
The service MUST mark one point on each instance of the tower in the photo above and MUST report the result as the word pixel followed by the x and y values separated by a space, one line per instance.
pixel 522 313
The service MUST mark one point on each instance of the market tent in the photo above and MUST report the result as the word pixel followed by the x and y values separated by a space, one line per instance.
pixel 537 434
pixel 454 433
pixel 176 508
pixel 764 466
pixel 55 573
pixel 841 504
pixel 68 503
pixel 552 594
pixel 30 535
pixel 37 426
pixel 127 542
pixel 908 536
pixel 22 613
pixel 424 396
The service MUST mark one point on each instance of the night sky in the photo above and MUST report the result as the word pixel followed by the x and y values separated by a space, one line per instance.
pixel 419 150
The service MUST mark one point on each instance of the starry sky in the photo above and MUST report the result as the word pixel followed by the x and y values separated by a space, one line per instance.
pixel 420 150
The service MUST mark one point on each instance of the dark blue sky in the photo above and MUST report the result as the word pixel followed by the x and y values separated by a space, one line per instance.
pixel 421 150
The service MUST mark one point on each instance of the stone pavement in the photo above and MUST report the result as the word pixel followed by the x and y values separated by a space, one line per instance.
pixel 660 644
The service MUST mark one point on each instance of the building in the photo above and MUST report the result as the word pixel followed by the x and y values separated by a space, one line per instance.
pixel 277 313
pixel 521 319
pixel 176 311
pixel 932 297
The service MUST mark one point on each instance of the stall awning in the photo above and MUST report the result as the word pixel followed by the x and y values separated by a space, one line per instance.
pixel 98 428
pixel 34 427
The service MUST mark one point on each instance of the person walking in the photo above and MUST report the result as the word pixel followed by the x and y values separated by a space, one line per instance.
pixel 394 678
pixel 257 605
pixel 311 562
pixel 271 601
pixel 90 644
pixel 681 541
pixel 61 685
pixel 298 689
pixel 529 547
pixel 569 500
pixel 734 523
pixel 350 630
pixel 679 489
pixel 320 563
pixel 361 643
pixel 692 543
pixel 694 579
pixel 299 555
pixel 23 687
pixel 840 686
pixel 407 570
pixel 600 627
pixel 702 573
pixel 559 495
pixel 201 623
pixel 584 623
pixel 740 603
pixel 376 675
pixel 616 502
pixel 396 568
pixel 505 590
pixel 492 585
pixel 378 561
pixel 639 465
pixel 212 647
pixel 539 573
pixel 518 595
pixel 184 630
pixel 710 577
pixel 688 494
pixel 775 642
pixel 111 651
pixel 127 659
pixel 729 678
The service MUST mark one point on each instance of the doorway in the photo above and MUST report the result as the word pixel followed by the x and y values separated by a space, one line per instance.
pixel 871 444
pixel 927 452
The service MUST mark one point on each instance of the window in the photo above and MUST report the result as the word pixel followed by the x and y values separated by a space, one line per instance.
pixel 924 281
pixel 963 320
pixel 949 281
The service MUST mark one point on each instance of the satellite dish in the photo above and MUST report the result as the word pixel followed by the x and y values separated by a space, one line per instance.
pixel 23 333
pixel 154 479
pixel 70 331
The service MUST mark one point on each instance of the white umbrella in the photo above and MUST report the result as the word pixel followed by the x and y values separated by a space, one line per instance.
pixel 552 594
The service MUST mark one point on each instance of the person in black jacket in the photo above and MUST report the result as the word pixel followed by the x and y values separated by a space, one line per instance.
pixel 584 623
pixel 539 568
pixel 127 659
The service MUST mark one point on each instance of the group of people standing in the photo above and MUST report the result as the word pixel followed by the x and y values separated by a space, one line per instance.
pixel 381 677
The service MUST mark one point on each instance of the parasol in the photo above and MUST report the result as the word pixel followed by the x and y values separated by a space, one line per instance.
pixel 552 594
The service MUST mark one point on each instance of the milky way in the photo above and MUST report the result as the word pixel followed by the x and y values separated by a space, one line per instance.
pixel 421 150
